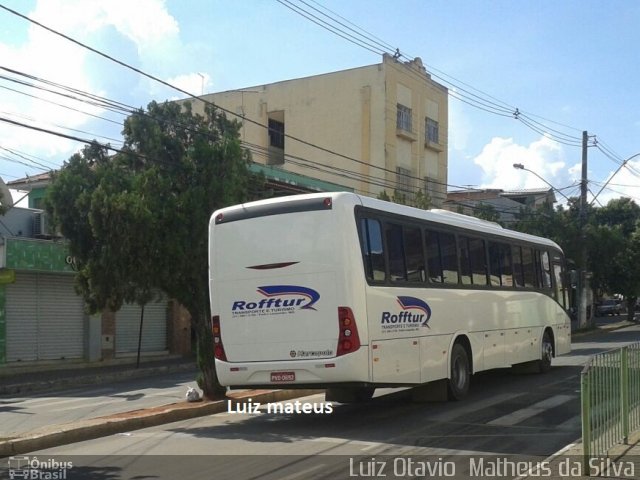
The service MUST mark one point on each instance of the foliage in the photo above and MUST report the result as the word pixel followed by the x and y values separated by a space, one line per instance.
pixel 486 211
pixel 138 221
pixel 612 236
pixel 419 199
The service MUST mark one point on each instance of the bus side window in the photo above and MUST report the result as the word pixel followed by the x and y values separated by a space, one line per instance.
pixel 518 273
pixel 372 253
pixel 473 262
pixel 414 254
pixel 449 257
pixel 395 247
pixel 546 269
pixel 528 268
pixel 434 263
pixel 500 264
pixel 465 261
pixel 478 256
pixel 561 289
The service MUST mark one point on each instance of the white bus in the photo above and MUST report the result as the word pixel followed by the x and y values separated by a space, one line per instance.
pixel 349 293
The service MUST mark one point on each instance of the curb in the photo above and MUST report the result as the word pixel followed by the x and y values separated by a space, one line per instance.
pixel 612 327
pixel 123 422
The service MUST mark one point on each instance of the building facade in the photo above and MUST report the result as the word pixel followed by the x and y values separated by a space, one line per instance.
pixel 371 129
pixel 506 203
pixel 43 319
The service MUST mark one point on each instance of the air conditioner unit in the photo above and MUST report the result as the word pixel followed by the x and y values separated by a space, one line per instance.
pixel 41 225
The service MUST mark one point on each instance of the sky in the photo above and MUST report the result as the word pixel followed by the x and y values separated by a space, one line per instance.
pixel 566 66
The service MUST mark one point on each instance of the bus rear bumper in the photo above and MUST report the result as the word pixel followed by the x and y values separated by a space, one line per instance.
pixel 353 367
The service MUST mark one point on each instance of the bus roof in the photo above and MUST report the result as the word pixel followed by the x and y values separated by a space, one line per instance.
pixel 443 217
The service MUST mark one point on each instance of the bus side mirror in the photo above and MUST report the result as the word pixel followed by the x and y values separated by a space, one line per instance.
pixel 571 278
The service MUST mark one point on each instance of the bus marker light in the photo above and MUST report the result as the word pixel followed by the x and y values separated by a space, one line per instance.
pixel 218 348
pixel 327 202
pixel 329 365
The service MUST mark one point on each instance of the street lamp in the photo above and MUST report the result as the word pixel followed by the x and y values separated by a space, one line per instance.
pixel 519 166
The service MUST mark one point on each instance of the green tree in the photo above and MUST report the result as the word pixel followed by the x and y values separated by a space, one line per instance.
pixel 615 246
pixel 486 211
pixel 612 236
pixel 419 199
pixel 138 222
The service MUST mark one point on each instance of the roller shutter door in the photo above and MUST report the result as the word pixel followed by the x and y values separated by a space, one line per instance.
pixel 45 318
pixel 154 328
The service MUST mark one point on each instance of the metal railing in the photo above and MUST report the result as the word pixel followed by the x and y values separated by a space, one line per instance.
pixel 610 394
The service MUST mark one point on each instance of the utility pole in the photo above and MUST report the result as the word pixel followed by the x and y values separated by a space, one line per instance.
pixel 583 286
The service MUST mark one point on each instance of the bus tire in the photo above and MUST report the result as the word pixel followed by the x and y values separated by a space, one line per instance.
pixel 546 354
pixel 460 376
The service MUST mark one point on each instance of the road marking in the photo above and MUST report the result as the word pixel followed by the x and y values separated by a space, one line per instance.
pixel 471 407
pixel 526 413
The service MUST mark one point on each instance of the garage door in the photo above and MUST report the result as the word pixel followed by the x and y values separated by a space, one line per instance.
pixel 45 318
pixel 154 328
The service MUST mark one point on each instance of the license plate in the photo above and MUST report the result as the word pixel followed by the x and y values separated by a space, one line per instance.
pixel 283 376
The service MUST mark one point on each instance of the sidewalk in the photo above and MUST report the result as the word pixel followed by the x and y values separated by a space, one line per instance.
pixel 623 462
pixel 21 379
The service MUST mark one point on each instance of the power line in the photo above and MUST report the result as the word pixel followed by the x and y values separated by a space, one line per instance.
pixel 481 101
pixel 167 84
pixel 487 103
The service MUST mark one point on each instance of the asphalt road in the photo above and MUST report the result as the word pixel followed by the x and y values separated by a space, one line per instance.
pixel 507 415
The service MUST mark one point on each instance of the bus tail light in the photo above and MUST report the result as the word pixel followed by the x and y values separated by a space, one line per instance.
pixel 218 348
pixel 348 338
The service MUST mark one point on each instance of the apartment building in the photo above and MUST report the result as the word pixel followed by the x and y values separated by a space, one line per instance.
pixel 371 129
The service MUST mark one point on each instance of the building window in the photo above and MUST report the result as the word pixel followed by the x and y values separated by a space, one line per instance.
pixel 431 187
pixel 431 130
pixel 403 181
pixel 276 133
pixel 404 118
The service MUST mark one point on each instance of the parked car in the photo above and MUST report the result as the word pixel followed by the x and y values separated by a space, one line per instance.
pixel 609 307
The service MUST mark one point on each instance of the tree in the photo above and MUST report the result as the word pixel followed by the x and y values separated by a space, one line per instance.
pixel 486 211
pixel 418 199
pixel 138 221
pixel 613 239
pixel 615 236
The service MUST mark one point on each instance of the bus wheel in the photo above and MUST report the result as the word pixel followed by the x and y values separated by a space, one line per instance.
pixel 544 364
pixel 460 373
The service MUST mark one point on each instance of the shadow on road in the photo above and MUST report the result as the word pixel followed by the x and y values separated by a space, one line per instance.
pixel 395 419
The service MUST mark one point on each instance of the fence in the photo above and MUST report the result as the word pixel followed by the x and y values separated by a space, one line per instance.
pixel 610 391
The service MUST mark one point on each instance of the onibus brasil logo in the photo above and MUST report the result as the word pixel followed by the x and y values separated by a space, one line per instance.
pixel 414 313
pixel 277 299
